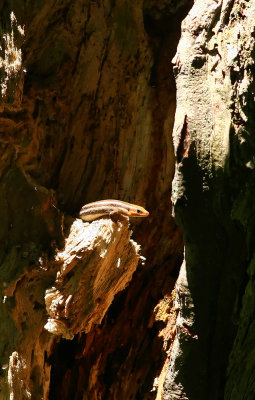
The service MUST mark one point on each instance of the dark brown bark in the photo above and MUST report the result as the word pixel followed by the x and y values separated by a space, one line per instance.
pixel 87 110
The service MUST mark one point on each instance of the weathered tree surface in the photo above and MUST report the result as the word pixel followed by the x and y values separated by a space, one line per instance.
pixel 87 111
pixel 212 355
pixel 88 105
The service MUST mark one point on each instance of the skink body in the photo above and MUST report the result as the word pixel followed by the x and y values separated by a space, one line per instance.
pixel 98 209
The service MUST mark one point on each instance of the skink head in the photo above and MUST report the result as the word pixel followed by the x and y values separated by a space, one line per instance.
pixel 138 212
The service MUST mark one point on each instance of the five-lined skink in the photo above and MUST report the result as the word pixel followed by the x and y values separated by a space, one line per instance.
pixel 92 211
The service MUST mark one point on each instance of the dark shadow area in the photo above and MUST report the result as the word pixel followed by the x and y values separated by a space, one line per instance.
pixel 216 262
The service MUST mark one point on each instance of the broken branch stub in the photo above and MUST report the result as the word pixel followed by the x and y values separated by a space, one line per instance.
pixel 98 262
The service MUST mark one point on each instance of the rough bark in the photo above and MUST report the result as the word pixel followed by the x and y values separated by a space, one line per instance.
pixel 87 108
pixel 213 191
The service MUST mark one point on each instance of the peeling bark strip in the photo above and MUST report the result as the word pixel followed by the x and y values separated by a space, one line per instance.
pixel 213 196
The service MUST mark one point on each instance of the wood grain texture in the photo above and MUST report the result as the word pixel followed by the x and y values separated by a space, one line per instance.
pixel 88 116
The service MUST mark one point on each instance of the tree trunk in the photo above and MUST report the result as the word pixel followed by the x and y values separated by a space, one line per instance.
pixel 88 105
pixel 213 193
